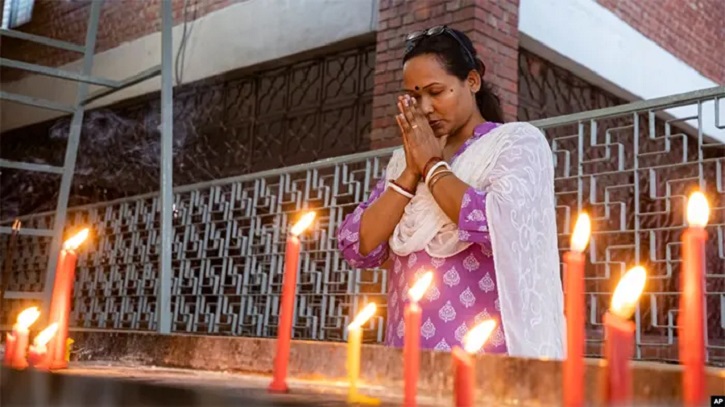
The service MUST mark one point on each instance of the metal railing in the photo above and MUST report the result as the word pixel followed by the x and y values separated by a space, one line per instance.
pixel 630 166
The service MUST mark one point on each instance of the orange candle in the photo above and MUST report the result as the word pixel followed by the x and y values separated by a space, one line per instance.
pixel 573 368
pixel 60 303
pixel 619 337
pixel 16 345
pixel 286 309
pixel 464 367
pixel 38 350
pixel 411 341
pixel 692 307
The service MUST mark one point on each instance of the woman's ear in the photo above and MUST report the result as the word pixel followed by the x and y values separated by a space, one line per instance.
pixel 474 81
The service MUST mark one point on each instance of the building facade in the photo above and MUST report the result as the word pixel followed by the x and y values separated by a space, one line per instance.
pixel 259 88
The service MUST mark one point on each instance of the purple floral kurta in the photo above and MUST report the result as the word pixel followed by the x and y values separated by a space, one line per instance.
pixel 464 291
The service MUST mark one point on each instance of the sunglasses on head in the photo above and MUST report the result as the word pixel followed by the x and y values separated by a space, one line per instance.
pixel 414 38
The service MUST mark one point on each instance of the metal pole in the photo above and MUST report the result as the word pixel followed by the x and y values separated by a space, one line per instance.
pixel 163 306
pixel 71 152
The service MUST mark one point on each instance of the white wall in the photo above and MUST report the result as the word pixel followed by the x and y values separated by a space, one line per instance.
pixel 594 43
pixel 237 36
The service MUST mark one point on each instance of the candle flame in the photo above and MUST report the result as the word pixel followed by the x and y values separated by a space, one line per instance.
pixel 477 337
pixel 27 318
pixel 76 240
pixel 302 224
pixel 45 335
pixel 698 211
pixel 420 287
pixel 582 232
pixel 363 316
pixel 628 291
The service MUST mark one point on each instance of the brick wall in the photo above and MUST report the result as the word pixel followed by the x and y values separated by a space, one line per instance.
pixel 692 30
pixel 492 25
pixel 121 21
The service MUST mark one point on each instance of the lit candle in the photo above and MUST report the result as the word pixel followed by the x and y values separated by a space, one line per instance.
pixel 38 350
pixel 619 337
pixel 284 328
pixel 60 303
pixel 464 368
pixel 354 344
pixel 411 342
pixel 68 347
pixel 692 308
pixel 573 368
pixel 16 344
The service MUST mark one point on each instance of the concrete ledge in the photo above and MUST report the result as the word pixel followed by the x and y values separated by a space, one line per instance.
pixel 501 380
pixel 85 385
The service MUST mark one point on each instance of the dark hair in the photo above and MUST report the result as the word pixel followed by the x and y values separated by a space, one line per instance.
pixel 457 63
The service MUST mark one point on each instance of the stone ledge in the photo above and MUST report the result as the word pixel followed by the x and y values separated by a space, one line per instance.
pixel 501 380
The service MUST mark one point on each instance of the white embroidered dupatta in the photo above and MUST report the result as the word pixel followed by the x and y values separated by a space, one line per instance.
pixel 513 164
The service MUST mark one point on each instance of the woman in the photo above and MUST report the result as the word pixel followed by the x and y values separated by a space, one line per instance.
pixel 469 198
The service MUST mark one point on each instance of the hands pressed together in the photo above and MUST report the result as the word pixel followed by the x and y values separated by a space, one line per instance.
pixel 419 141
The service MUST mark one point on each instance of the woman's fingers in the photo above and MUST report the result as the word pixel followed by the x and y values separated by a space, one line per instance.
pixel 417 112
pixel 407 113
pixel 403 124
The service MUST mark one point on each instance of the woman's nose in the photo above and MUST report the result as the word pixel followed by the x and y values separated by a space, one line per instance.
pixel 426 105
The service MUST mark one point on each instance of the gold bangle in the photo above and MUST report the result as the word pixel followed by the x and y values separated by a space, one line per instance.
pixel 440 177
pixel 437 175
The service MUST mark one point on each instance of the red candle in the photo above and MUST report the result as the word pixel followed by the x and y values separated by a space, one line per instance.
pixel 573 368
pixel 284 329
pixel 692 308
pixel 16 344
pixel 464 367
pixel 9 349
pixel 619 337
pixel 60 303
pixel 411 341
pixel 38 351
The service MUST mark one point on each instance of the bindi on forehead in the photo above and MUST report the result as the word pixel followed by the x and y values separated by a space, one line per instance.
pixel 417 88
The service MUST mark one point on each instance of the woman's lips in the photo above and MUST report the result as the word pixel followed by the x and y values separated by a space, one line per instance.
pixel 435 123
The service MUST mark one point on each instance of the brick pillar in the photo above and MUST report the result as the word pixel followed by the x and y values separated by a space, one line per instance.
pixel 492 25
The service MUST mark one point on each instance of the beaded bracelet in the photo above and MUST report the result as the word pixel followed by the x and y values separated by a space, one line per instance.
pixel 399 189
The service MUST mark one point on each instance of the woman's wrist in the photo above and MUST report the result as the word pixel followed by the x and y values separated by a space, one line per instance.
pixel 429 164
pixel 409 179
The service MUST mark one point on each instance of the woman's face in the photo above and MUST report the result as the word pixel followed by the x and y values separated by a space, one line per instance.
pixel 447 102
